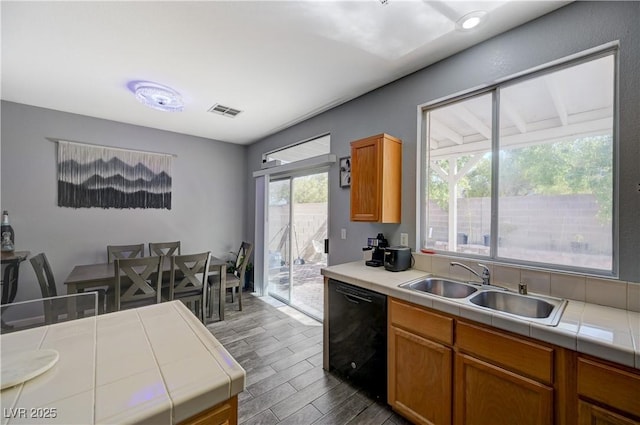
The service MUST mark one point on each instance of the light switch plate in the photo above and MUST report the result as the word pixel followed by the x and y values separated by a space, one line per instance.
pixel 343 233
pixel 404 239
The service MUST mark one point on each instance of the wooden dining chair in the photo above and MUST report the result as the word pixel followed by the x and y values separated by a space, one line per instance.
pixel 187 281
pixel 140 284
pixel 235 277
pixel 124 251
pixel 53 309
pixel 164 248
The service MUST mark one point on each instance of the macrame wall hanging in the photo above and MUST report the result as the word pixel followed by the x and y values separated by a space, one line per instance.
pixel 96 176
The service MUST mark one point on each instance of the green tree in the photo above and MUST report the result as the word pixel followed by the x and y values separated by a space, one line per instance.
pixel 306 189
pixel 309 189
pixel 580 166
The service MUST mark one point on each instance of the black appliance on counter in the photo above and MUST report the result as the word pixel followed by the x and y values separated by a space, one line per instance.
pixel 378 245
pixel 358 337
pixel 397 258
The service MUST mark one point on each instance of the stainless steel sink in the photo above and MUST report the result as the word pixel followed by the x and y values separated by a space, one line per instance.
pixel 543 309
pixel 441 287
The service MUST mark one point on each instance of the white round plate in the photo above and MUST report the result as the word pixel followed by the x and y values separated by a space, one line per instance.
pixel 24 365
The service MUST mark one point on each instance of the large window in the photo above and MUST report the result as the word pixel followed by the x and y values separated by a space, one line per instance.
pixel 524 171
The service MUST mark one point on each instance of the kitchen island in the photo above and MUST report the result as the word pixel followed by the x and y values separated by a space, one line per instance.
pixel 155 364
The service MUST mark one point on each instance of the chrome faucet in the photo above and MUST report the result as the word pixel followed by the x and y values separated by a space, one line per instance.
pixel 485 276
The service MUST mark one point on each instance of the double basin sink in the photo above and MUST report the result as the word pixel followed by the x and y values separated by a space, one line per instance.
pixel 539 309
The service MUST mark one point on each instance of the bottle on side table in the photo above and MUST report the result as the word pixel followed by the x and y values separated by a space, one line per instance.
pixel 7 235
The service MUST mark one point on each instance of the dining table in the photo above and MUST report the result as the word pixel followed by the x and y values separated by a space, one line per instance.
pixel 88 276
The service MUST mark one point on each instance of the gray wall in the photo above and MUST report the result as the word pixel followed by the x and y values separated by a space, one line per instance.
pixel 207 197
pixel 392 109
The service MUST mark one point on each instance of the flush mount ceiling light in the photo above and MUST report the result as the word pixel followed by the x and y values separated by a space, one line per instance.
pixel 470 20
pixel 157 96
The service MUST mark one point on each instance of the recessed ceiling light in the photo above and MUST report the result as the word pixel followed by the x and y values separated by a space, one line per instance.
pixel 471 20
pixel 157 96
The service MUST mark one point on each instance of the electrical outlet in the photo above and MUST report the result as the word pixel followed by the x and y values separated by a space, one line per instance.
pixel 343 233
pixel 404 239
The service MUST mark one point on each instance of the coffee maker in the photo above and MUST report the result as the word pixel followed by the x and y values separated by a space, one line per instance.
pixel 377 244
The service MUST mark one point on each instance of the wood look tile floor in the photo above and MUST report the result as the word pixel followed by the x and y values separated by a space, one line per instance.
pixel 281 351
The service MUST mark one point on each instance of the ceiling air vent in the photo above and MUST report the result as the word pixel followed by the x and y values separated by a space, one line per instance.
pixel 224 110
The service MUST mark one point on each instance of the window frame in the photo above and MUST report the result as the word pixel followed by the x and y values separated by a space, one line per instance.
pixel 422 175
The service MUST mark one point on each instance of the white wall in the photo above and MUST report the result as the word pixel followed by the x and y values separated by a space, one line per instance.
pixel 208 200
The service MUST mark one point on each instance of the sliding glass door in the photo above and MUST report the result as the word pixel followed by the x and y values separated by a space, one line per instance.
pixel 298 211
pixel 279 246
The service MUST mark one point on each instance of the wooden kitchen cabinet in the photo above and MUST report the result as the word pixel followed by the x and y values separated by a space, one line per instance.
pixel 376 179
pixel 488 393
pixel 225 413
pixel 592 414
pixel 607 394
pixel 501 377
pixel 419 364
pixel 444 370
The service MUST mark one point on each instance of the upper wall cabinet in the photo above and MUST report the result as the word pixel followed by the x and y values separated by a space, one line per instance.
pixel 376 179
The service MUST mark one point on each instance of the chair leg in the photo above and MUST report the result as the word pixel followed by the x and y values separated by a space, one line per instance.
pixel 102 300
pixel 239 298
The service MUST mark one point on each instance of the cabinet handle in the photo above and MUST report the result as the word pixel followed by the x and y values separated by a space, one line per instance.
pixel 350 296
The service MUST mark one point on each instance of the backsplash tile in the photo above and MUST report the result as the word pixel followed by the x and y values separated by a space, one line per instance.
pixel 509 277
pixel 568 286
pixel 440 266
pixel 537 281
pixel 633 296
pixel 611 293
pixel 422 262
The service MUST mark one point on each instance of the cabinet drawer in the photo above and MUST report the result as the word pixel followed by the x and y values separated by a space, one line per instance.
pixel 420 321
pixel 527 358
pixel 609 385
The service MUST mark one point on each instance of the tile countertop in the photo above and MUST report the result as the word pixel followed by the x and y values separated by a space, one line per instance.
pixel 605 332
pixel 155 364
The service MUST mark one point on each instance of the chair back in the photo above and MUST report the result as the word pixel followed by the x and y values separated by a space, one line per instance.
pixel 164 248
pixel 141 280
pixel 242 260
pixel 188 281
pixel 188 273
pixel 47 283
pixel 45 276
pixel 124 251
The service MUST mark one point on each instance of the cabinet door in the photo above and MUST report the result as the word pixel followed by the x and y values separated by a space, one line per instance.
pixel 420 378
pixel 487 393
pixel 366 185
pixel 225 413
pixel 590 414
pixel 622 389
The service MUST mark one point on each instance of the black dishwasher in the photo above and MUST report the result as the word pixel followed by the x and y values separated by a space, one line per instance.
pixel 358 337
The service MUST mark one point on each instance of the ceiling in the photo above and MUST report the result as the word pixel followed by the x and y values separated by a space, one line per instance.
pixel 278 62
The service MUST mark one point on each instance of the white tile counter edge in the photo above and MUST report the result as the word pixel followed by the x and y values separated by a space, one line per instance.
pixel 604 332
pixel 225 377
